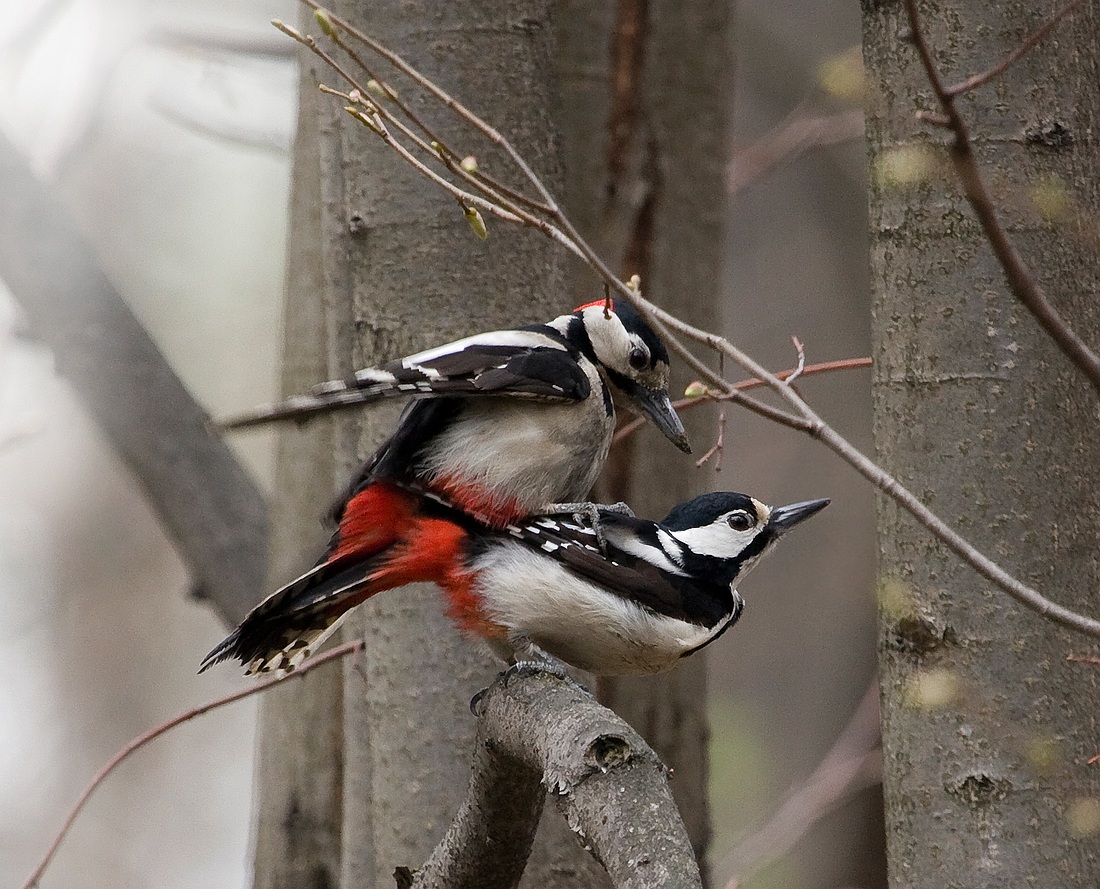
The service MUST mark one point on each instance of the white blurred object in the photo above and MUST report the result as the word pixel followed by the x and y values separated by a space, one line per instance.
pixel 164 127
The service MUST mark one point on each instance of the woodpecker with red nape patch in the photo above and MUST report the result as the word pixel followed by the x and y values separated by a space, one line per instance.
pixel 537 589
pixel 507 423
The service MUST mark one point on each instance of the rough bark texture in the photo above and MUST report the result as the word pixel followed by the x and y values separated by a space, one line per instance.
pixel 299 767
pixel 538 733
pixel 397 269
pixel 208 503
pixel 987 728
pixel 646 88
pixel 417 276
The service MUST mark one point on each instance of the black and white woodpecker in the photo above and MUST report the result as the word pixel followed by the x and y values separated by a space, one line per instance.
pixel 508 423
pixel 654 593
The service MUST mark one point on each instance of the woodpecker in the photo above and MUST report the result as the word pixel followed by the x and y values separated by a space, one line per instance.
pixel 542 587
pixel 506 424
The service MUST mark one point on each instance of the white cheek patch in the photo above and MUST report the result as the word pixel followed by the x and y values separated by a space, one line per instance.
pixel 609 338
pixel 717 539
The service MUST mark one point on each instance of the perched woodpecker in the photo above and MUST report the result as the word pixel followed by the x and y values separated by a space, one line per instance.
pixel 656 591
pixel 520 420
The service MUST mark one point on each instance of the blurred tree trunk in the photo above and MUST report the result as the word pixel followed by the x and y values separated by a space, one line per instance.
pixel 299 760
pixel 647 100
pixel 987 727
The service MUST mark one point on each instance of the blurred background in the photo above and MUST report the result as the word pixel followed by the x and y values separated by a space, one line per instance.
pixel 165 128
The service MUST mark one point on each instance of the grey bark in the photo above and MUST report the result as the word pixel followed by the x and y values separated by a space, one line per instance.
pixel 299 757
pixel 211 508
pixel 976 409
pixel 416 276
pixel 538 733
pixel 395 269
pixel 646 87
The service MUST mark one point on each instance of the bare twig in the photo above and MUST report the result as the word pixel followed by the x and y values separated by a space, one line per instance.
pixel 496 202
pixel 801 367
pixel 1023 49
pixel 208 503
pixel 1021 281
pixel 800 416
pixel 719 443
pixel 140 741
pixel 853 764
pixel 637 423
pixel 787 143
pixel 1083 659
pixel 449 156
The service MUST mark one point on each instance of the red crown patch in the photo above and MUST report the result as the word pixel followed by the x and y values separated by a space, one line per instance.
pixel 610 303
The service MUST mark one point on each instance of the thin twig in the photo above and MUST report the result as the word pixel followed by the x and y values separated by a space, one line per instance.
pixel 787 143
pixel 448 155
pixel 797 372
pixel 141 740
pixel 497 203
pixel 682 404
pixel 1021 281
pixel 719 443
pixel 802 416
pixel 1083 659
pixel 1023 49
pixel 853 764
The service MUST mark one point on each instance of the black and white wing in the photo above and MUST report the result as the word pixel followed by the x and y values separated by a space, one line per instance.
pixel 533 362
pixel 636 566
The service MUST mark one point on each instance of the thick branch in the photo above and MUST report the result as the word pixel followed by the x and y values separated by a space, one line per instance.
pixel 608 784
pixel 209 505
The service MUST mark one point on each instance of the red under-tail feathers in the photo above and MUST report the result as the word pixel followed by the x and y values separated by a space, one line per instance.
pixel 385 540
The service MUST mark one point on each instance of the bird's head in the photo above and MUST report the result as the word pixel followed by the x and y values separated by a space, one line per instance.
pixel 635 361
pixel 734 529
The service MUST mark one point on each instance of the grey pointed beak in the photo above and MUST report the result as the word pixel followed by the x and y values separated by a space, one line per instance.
pixel 783 518
pixel 657 406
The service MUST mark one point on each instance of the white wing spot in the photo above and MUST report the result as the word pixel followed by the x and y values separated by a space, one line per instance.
pixel 373 375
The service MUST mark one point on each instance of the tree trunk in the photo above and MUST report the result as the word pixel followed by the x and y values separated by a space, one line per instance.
pixel 361 775
pixel 299 761
pixel 987 727
pixel 647 88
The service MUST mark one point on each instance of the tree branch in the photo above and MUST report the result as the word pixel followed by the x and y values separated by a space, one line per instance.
pixel 141 740
pixel 537 732
pixel 1019 52
pixel 1021 281
pixel 789 141
pixel 207 502
pixel 853 764
pixel 709 397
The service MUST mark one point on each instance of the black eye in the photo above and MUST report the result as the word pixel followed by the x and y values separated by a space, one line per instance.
pixel 638 359
pixel 740 521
